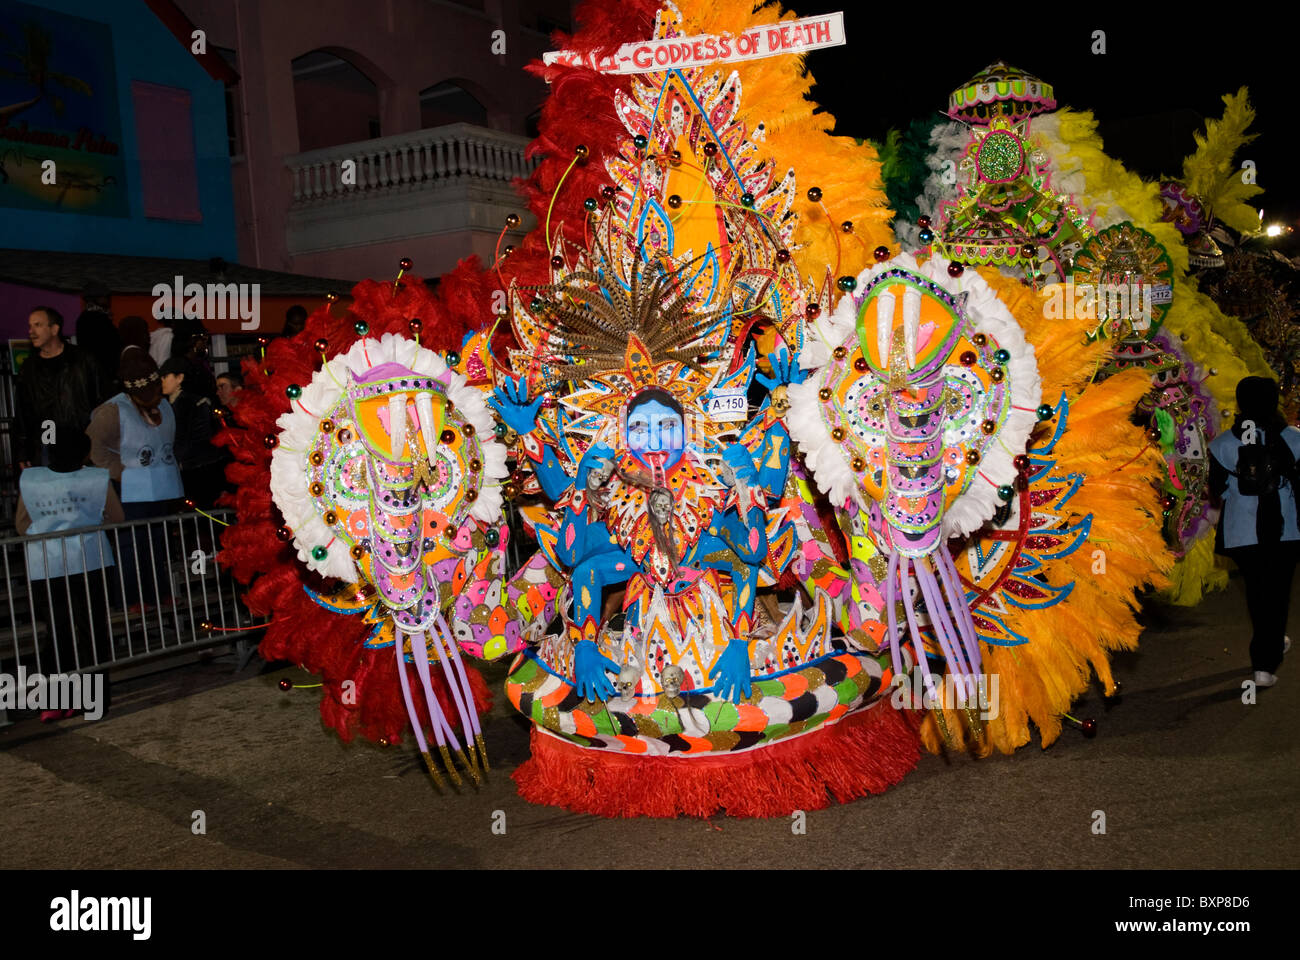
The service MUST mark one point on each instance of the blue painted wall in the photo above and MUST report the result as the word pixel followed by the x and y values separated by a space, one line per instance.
pixel 143 49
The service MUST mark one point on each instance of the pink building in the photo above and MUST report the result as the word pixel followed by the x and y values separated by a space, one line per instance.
pixel 364 131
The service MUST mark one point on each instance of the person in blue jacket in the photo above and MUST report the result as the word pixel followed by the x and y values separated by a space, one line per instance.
pixel 1253 474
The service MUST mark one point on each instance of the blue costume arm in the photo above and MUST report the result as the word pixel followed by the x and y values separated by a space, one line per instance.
pixel 551 475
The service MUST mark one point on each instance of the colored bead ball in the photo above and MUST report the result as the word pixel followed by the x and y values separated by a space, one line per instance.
pixel 557 261
pixel 675 157
pixel 1089 727
pixel 824 394
pixel 448 436
pixel 1154 434
pixel 968 358
pixel 357 551
pixel 491 537
pixel 468 429
pixel 607 192
pixel 581 151
pixel 286 684
pixel 640 141
pixel 812 311
pixel 1005 493
pixel 860 364
pixel 331 297
pixel 1020 462
pixel 996 374
pixel 361 327
pixel 405 263
pixel 881 253
pixel 783 256
pixel 840 352
pixel 270 441
pixel 847 226
pixel 283 534
pixel 326 426
pixel 858 464
pixel 988 426
pixel 500 431
pixel 589 204
pixel 293 391
pixel 926 236
pixel 956 269
pixel 837 434
pixel 1001 355
pixel 453 358
pixel 972 457
pixel 815 194
pixel 512 220
pixel 1029 250
pixel 923 221
pixel 319 553
pixel 674 201
pixel 846 283
pixel 1044 412
pixel 746 199
pixel 980 339
pixel 322 345
pixel 710 149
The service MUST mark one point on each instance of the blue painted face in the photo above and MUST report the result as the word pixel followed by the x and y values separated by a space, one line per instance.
pixel 655 428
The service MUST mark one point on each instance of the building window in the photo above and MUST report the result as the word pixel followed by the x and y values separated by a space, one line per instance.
pixel 164 133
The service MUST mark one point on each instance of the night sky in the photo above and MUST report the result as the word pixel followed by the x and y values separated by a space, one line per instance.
pixel 1164 71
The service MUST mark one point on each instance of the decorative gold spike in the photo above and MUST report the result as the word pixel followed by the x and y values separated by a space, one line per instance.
pixel 943 727
pixel 433 771
pixel 448 765
pixel 471 768
pixel 482 751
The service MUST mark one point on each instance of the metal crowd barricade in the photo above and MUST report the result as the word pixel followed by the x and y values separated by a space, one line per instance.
pixel 189 587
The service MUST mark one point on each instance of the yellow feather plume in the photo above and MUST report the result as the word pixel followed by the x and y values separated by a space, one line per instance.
pixel 774 93
pixel 1210 173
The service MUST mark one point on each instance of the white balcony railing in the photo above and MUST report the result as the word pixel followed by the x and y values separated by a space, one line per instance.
pixel 421 160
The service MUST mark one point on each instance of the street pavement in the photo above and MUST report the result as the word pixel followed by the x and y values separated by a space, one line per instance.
pixel 1186 774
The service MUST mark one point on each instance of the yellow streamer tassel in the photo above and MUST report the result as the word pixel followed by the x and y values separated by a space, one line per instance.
pixel 450 767
pixel 433 771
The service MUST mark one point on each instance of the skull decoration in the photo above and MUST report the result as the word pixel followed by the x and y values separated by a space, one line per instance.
pixel 628 680
pixel 671 680
pixel 780 400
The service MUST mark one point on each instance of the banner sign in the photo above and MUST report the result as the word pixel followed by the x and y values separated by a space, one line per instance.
pixel 60 129
pixel 651 56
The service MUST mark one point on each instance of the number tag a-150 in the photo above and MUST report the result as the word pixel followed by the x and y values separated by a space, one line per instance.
pixel 727 405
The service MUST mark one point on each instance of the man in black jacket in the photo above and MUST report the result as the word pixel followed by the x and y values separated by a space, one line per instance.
pixel 58 387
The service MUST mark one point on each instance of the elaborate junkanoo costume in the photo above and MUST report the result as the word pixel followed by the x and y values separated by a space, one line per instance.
pixel 792 501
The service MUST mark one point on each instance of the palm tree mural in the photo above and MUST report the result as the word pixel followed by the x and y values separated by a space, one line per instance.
pixel 33 68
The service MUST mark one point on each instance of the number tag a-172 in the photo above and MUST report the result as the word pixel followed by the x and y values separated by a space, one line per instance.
pixel 727 404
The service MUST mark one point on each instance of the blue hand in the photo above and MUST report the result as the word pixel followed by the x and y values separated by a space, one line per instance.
pixel 785 370
pixel 731 672
pixel 741 462
pixel 510 400
pixel 589 668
